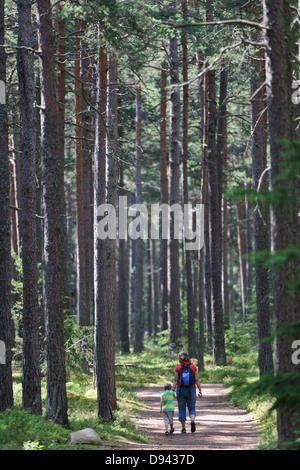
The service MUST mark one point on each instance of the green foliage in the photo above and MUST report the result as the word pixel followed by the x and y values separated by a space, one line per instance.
pixel 78 345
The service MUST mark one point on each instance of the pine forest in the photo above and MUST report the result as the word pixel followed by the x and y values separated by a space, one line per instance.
pixel 149 205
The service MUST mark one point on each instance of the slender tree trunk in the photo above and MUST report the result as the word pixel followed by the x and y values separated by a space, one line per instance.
pixel 102 352
pixel 261 214
pixel 87 177
pixel 138 267
pixel 164 195
pixel 156 298
pixel 221 144
pixel 61 97
pixel 202 309
pixel 82 271
pixel 188 257
pixel 31 321
pixel 111 198
pixel 15 240
pixel 56 403
pixel 284 229
pixel 226 302
pixel 6 390
pixel 123 292
pixel 241 229
pixel 215 227
pixel 174 321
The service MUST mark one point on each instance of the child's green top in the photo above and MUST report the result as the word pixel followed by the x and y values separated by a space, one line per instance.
pixel 167 398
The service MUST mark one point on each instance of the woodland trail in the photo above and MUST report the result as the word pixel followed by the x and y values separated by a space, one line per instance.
pixel 219 425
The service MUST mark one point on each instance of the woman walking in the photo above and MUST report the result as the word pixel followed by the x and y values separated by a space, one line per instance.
pixel 185 381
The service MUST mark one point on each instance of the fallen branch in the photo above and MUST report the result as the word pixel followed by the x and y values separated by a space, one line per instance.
pixel 125 365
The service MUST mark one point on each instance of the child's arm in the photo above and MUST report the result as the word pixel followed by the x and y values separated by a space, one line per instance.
pixel 161 405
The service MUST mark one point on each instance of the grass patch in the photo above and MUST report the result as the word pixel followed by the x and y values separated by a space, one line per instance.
pixel 19 430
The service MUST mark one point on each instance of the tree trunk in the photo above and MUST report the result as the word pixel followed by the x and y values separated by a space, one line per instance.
pixel 102 352
pixel 138 267
pixel 164 195
pixel 185 195
pixel 31 314
pixel 174 161
pixel 61 97
pixel 123 292
pixel 87 169
pixel 221 144
pixel 111 198
pixel 284 230
pixel 6 390
pixel 83 310
pixel 241 229
pixel 56 402
pixel 261 214
pixel 202 277
pixel 215 226
pixel 226 302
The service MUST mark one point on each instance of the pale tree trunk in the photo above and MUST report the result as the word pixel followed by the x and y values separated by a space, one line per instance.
pixel 31 313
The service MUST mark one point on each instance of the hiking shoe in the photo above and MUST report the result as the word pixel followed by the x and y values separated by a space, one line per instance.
pixel 183 431
pixel 167 433
pixel 172 430
pixel 193 426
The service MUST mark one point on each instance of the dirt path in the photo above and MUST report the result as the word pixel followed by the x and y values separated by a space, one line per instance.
pixel 219 425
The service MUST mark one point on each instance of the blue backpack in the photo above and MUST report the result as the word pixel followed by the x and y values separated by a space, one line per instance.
pixel 186 376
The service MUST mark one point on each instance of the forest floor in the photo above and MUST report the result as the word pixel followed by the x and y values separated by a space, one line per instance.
pixel 219 424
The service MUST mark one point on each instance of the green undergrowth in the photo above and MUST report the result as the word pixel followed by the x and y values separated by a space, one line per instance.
pixel 19 430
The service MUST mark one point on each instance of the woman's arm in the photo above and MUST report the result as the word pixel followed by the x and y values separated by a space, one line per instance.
pixel 175 382
pixel 197 381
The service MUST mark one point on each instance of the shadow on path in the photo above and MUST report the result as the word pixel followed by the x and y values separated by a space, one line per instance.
pixel 219 425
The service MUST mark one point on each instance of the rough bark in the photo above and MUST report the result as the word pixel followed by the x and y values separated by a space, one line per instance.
pixel 31 314
pixel 101 324
pixel 284 230
pixel 261 214
pixel 174 175
pixel 83 311
pixel 185 192
pixel 215 227
pixel 123 274
pixel 111 198
pixel 164 195
pixel 6 391
pixel 53 197
pixel 138 266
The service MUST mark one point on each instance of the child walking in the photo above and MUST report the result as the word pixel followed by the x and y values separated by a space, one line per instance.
pixel 167 408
